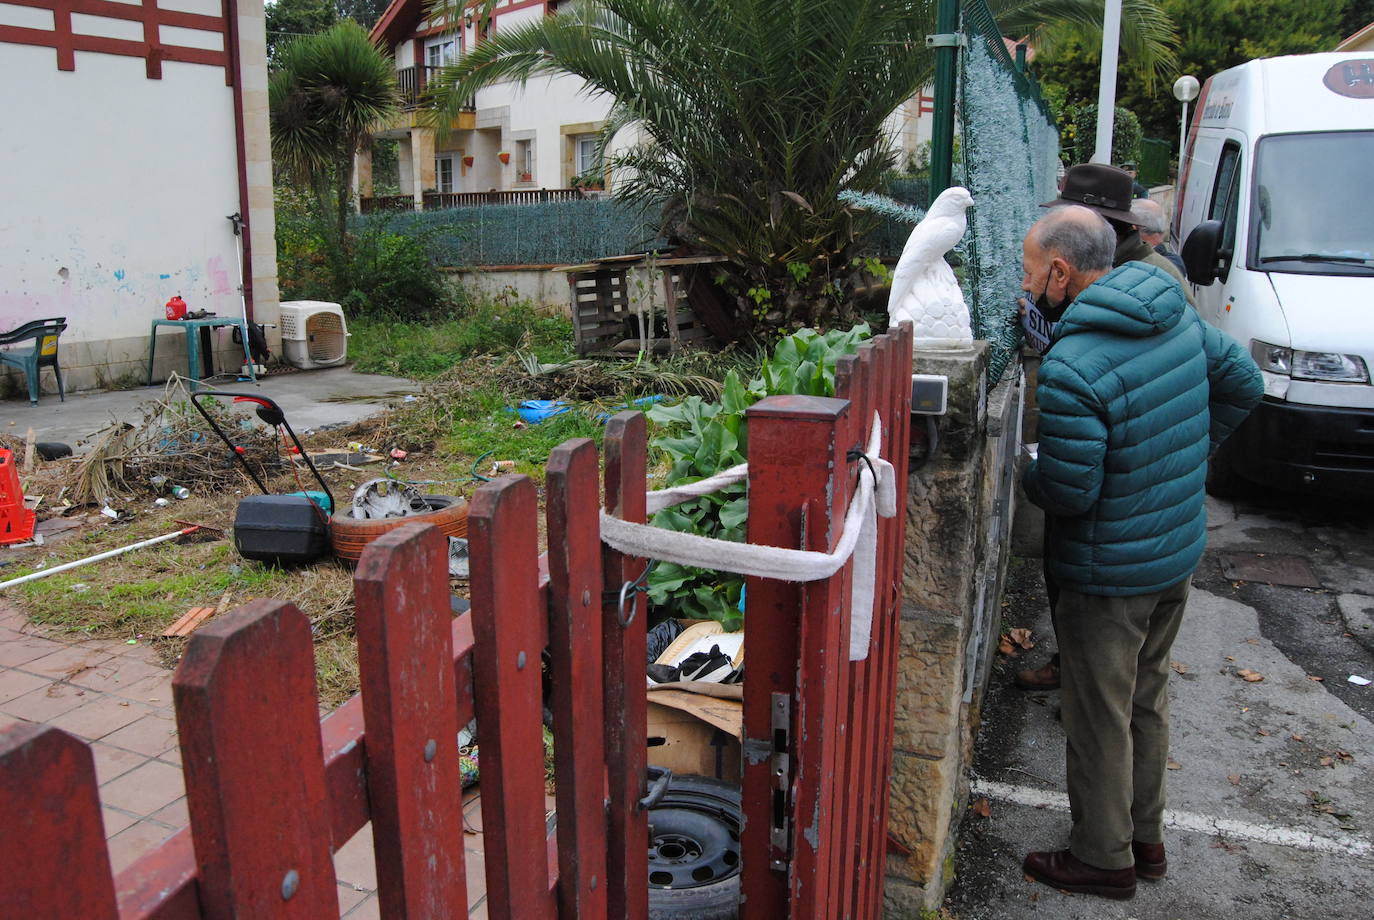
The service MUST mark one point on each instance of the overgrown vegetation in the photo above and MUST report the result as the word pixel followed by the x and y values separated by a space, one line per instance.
pixel 704 438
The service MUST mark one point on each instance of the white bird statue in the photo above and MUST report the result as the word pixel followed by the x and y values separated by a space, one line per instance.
pixel 924 289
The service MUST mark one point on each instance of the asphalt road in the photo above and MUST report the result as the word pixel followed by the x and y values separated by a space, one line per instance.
pixel 1272 795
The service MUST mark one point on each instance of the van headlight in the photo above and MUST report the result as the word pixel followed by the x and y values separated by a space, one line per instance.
pixel 1309 365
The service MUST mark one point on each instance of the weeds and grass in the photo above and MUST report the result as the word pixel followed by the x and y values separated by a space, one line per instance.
pixel 486 326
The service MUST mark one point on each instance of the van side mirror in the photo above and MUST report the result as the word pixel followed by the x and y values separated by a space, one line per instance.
pixel 1202 253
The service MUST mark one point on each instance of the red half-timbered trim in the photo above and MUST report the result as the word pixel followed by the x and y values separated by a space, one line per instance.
pixel 66 43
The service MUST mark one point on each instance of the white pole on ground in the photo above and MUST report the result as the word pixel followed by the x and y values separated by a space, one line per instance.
pixel 34 576
pixel 1106 90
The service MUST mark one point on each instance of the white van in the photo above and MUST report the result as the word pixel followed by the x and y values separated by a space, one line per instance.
pixel 1277 218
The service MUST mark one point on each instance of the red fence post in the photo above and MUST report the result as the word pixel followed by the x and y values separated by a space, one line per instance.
pixel 248 718
pixel 52 845
pixel 626 706
pixel 854 380
pixel 797 499
pixel 405 657
pixel 574 529
pixel 506 613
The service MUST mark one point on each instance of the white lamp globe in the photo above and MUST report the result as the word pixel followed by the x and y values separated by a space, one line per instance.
pixel 1186 88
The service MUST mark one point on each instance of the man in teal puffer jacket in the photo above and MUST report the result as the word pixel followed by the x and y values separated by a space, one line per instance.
pixel 1134 392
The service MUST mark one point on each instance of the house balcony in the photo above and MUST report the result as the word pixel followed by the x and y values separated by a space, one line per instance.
pixel 413 82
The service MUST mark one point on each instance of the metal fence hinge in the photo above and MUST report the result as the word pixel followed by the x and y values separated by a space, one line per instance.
pixel 780 767
pixel 947 40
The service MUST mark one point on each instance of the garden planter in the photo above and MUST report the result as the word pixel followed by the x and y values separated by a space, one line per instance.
pixel 468 161
pixel 503 157
pixel 526 177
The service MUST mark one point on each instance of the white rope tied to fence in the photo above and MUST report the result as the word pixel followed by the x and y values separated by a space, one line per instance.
pixel 876 495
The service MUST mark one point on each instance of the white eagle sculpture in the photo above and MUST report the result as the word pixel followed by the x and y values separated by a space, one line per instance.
pixel 924 289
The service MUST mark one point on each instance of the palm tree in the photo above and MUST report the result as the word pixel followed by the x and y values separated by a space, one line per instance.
pixel 326 93
pixel 753 116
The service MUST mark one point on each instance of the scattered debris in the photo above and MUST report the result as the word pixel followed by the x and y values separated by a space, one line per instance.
pixel 1179 667
pixel 982 809
pixel 189 621
pixel 1174 764
pixel 1358 681
pixel 1250 676
pixel 1234 779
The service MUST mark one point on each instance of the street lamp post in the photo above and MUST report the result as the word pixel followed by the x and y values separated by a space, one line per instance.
pixel 1185 91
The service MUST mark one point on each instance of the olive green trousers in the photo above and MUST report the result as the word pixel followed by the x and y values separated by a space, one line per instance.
pixel 1114 665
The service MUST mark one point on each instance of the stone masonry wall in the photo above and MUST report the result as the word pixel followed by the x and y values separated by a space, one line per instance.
pixel 958 511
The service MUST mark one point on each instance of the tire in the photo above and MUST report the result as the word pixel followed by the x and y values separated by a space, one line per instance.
pixel 1222 479
pixel 350 535
pixel 694 859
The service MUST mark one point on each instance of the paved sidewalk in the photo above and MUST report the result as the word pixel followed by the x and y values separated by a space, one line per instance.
pixel 118 699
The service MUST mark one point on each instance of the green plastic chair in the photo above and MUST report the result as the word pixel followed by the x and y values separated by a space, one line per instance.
pixel 43 333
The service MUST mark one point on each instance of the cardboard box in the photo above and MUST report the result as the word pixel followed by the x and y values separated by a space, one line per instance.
pixel 692 733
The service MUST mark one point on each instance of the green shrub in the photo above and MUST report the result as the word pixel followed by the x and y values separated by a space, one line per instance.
pixel 1081 138
pixel 378 272
pixel 703 439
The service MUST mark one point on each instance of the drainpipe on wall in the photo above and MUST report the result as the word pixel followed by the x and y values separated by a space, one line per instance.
pixel 241 151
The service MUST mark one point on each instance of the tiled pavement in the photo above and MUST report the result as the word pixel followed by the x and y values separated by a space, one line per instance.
pixel 119 699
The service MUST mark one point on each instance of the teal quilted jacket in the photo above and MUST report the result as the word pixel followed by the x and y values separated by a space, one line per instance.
pixel 1135 392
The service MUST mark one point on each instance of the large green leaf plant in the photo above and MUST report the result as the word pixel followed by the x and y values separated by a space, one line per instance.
pixel 704 438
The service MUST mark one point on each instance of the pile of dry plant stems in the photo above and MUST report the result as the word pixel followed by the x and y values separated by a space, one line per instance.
pixel 174 441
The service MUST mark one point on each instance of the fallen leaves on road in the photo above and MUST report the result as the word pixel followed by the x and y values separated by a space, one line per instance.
pixel 1010 640
pixel 1234 779
pixel 1299 738
pixel 982 809
pixel 1263 731
pixel 1174 764
pixel 1327 762
pixel 1315 677
pixel 1250 676
pixel 1179 666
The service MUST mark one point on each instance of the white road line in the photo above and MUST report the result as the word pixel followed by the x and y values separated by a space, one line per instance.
pixel 1340 844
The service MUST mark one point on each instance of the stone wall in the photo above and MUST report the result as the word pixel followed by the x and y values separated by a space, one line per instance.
pixel 959 509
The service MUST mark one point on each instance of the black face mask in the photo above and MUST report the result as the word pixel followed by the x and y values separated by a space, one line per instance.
pixel 1051 311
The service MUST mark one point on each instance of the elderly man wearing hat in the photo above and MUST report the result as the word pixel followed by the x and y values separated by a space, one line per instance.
pixel 1137 190
pixel 1106 190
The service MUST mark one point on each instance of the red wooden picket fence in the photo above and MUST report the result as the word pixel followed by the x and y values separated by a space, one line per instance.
pixel 273 791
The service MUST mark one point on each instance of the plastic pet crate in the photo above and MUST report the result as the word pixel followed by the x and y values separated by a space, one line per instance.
pixel 313 334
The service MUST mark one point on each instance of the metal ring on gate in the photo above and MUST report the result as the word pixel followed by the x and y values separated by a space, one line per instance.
pixel 633 588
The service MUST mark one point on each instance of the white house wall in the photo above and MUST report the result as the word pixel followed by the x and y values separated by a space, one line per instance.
pixel 116 189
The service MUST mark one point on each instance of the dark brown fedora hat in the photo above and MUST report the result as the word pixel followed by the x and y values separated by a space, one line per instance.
pixel 1105 189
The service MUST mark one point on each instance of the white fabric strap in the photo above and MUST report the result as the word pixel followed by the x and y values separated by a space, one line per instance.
pixel 860 533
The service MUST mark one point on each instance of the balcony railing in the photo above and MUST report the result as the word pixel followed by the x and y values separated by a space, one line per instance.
pixel 414 80
pixel 437 201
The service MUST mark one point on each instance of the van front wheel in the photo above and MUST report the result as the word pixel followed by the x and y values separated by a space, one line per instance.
pixel 1222 479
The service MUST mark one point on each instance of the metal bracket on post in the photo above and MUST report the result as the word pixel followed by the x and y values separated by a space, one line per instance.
pixel 780 766
pixel 947 40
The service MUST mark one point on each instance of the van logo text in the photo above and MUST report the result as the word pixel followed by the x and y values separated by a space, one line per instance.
pixel 1352 78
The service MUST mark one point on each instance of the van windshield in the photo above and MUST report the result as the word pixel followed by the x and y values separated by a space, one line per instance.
pixel 1314 204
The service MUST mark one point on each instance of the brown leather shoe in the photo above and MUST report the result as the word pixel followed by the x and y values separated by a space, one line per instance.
pixel 1046 678
pixel 1065 871
pixel 1150 862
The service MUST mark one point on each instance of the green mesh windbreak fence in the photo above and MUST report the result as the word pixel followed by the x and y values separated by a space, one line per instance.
pixel 1010 160
pixel 544 233
pixel 1154 161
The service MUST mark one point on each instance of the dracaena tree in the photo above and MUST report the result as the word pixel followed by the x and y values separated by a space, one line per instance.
pixel 749 117
pixel 326 93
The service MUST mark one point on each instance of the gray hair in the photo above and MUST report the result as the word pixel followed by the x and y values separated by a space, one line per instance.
pixel 1149 215
pixel 1078 235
